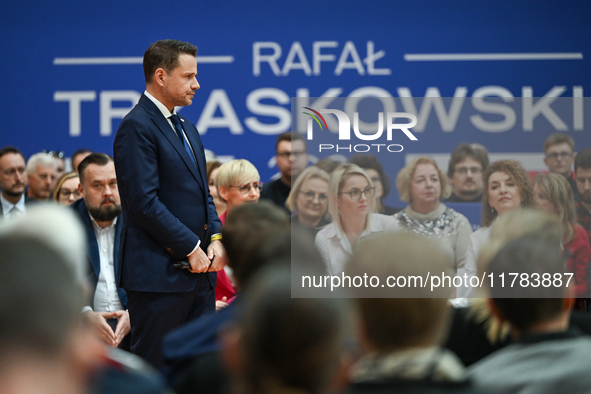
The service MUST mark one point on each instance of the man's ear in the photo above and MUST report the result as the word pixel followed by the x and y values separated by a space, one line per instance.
pixel 159 76
pixel 80 190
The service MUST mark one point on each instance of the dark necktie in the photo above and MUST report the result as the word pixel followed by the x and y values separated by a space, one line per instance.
pixel 176 121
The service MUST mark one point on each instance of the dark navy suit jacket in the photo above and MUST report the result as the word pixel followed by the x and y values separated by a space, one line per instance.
pixel 93 251
pixel 166 203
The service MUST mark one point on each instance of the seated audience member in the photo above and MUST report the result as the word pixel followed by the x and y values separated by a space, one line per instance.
pixel 422 184
pixel 66 189
pixel 13 183
pixel 41 169
pixel 100 213
pixel 506 187
pixel 555 196
pixel 254 236
pixel 546 355
pixel 328 165
pixel 402 335
pixel 286 345
pixel 476 332
pixel 105 369
pixel 583 176
pixel 58 156
pixel 78 156
pixel 308 199
pixel 351 206
pixel 292 158
pixel 44 347
pixel 559 149
pixel 466 165
pixel 212 170
pixel 380 180
pixel 237 182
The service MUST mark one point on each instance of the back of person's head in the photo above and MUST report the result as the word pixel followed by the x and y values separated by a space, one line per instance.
pixel 254 235
pixel 100 159
pixel 520 223
pixel 411 316
pixel 289 343
pixel 42 274
pixel 527 306
pixel 40 300
pixel 583 159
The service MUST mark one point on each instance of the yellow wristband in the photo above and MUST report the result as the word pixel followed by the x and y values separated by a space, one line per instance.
pixel 216 237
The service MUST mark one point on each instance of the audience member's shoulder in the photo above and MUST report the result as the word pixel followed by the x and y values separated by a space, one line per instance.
pixel 126 373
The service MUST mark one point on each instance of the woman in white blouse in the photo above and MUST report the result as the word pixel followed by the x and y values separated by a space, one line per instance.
pixel 352 206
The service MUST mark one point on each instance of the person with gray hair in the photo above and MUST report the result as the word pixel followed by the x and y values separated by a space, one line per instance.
pixel 42 169
pixel 44 348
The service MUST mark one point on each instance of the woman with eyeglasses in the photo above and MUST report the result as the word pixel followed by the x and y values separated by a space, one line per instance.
pixel 237 182
pixel 308 199
pixel 422 184
pixel 66 189
pixel 352 206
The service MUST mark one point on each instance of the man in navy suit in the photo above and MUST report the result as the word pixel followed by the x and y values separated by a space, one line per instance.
pixel 99 210
pixel 168 214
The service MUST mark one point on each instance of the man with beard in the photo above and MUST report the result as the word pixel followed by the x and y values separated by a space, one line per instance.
pixel 13 182
pixel 583 180
pixel 464 173
pixel 99 210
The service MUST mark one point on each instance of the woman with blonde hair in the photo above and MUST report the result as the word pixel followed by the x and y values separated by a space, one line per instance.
pixel 506 187
pixel 422 184
pixel 237 182
pixel 308 199
pixel 66 189
pixel 555 196
pixel 351 206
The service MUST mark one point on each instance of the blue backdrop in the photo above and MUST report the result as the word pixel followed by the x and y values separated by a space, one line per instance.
pixel 73 69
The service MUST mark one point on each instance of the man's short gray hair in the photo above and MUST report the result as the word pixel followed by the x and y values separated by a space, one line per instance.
pixel 40 159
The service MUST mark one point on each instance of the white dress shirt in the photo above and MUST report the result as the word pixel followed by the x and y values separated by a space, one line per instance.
pixel 335 248
pixel 106 298
pixel 7 206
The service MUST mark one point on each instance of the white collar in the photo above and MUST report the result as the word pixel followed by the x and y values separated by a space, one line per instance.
pixel 7 205
pixel 160 106
pixel 99 228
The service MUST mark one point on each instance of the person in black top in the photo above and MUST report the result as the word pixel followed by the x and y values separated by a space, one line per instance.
pixel 292 158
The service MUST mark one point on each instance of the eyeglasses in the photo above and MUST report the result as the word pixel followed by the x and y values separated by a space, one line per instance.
pixel 355 194
pixel 295 154
pixel 562 155
pixel 52 153
pixel 464 170
pixel 310 195
pixel 65 193
pixel 245 189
